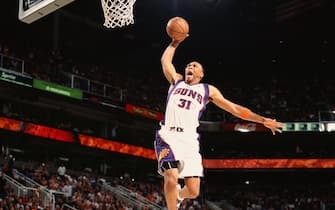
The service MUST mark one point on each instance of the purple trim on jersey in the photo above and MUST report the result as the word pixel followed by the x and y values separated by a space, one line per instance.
pixel 205 99
pixel 163 149
pixel 168 97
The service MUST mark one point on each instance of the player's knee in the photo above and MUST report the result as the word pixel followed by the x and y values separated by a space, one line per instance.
pixel 193 192
pixel 170 179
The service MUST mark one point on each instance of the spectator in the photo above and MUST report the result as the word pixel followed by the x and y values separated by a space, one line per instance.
pixel 2 186
pixel 61 171
pixel 8 166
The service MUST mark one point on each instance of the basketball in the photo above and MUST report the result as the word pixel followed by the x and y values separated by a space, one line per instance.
pixel 177 28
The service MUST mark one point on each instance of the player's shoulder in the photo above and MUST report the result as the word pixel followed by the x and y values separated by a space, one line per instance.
pixel 179 77
pixel 210 86
pixel 212 89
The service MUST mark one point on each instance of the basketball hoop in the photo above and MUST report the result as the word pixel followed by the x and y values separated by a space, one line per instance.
pixel 118 13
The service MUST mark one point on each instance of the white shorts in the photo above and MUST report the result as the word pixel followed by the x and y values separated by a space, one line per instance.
pixel 179 146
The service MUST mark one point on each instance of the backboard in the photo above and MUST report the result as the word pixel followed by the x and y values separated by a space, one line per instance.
pixel 32 10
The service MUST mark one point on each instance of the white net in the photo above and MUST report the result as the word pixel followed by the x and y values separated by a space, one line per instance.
pixel 118 13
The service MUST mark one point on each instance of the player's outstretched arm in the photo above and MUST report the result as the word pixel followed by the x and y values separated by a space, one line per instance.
pixel 166 60
pixel 242 112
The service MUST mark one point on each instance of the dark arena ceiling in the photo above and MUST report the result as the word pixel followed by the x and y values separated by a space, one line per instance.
pixel 256 34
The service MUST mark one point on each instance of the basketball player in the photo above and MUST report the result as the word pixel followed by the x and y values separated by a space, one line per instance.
pixel 176 143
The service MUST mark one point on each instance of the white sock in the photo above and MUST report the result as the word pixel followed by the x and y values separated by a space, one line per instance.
pixel 178 191
pixel 179 198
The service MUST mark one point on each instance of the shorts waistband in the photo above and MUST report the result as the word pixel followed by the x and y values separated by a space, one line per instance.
pixel 177 129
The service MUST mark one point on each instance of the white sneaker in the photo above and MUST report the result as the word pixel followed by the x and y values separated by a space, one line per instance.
pixel 179 201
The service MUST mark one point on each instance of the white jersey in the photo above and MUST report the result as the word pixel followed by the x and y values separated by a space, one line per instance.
pixel 185 105
pixel 177 140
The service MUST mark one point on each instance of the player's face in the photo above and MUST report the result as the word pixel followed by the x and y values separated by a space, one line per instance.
pixel 193 72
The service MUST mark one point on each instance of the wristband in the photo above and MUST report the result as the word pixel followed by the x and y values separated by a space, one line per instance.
pixel 245 113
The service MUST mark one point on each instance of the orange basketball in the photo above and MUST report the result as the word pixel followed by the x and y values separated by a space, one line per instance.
pixel 177 28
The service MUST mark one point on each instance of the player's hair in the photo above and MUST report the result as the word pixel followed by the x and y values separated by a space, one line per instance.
pixel 202 67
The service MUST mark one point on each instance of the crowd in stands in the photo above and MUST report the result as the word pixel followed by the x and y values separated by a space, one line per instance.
pixel 283 198
pixel 273 190
pixel 285 98
pixel 82 190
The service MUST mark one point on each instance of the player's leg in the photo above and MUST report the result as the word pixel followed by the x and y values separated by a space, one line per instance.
pixel 191 188
pixel 170 188
pixel 191 173
pixel 169 168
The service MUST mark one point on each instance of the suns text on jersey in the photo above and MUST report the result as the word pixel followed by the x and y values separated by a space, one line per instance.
pixel 191 93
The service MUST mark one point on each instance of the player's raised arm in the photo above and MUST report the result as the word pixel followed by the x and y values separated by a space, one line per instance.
pixel 242 112
pixel 166 61
pixel 177 29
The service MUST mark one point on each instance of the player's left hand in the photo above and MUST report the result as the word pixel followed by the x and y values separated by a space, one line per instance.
pixel 273 125
pixel 181 39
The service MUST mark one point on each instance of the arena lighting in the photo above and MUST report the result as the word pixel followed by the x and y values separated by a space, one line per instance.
pixel 270 163
pixel 54 134
pixel 148 153
pixel 114 146
pixel 327 126
pixel 330 127
pixel 17 150
pixel 10 124
pixel 244 130
pixel 322 127
pixel 64 159
pixel 245 127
